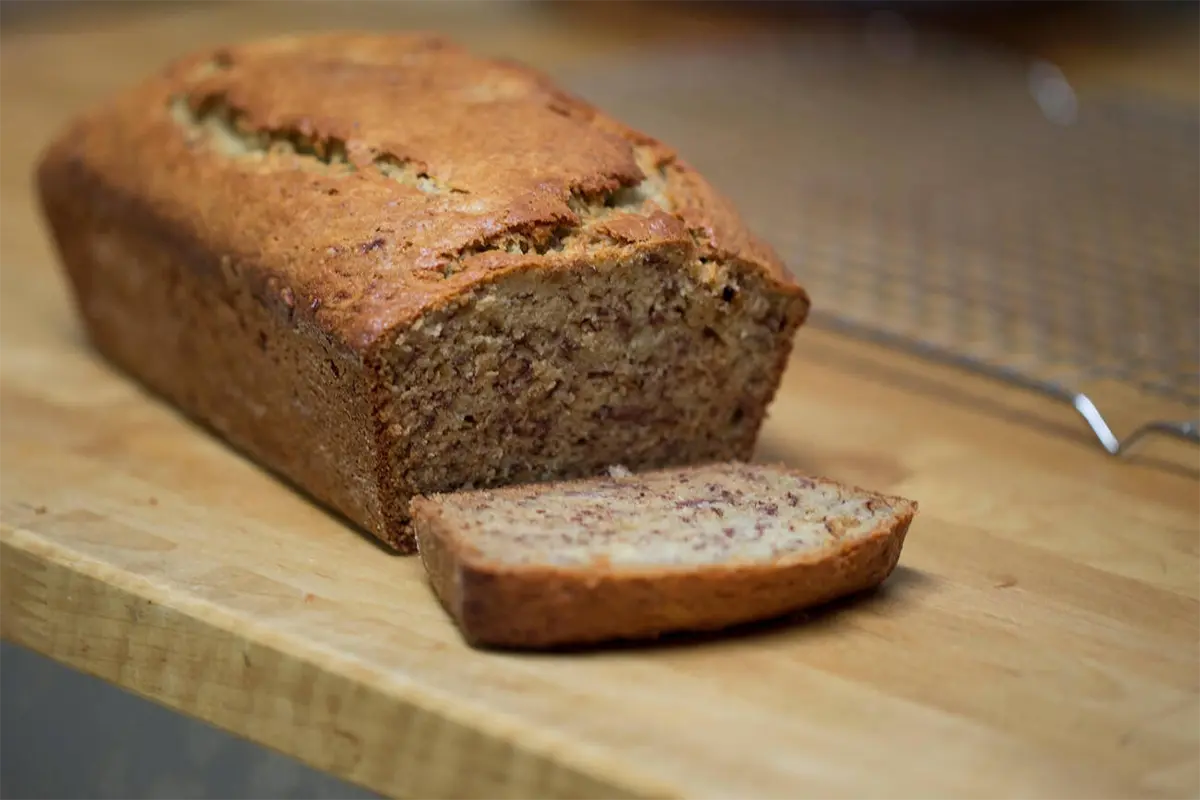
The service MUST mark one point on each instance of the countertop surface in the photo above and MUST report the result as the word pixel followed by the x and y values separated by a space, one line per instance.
pixel 1040 637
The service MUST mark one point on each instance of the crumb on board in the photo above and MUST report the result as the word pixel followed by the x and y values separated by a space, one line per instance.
pixel 1005 582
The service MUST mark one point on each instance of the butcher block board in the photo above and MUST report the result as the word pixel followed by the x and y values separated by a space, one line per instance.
pixel 1040 638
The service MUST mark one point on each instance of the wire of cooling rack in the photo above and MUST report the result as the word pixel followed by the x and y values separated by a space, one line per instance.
pixel 960 204
pixel 1187 430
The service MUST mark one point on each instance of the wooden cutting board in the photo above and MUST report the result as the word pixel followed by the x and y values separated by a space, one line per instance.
pixel 1039 639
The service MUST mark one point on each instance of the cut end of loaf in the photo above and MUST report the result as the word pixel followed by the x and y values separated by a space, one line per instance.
pixel 633 556
pixel 653 359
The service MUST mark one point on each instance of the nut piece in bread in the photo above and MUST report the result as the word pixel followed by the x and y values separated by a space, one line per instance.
pixel 383 266
pixel 637 556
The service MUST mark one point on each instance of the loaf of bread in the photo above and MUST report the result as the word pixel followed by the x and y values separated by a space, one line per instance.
pixel 383 266
pixel 637 556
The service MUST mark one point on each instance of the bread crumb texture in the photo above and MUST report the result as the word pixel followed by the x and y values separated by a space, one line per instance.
pixel 641 555
pixel 739 513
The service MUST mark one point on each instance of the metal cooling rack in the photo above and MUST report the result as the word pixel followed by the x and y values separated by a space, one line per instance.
pixel 963 205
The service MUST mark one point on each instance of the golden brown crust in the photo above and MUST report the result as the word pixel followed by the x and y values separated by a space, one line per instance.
pixel 543 606
pixel 363 179
pixel 251 231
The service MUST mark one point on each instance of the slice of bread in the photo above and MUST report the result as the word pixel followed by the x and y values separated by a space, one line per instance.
pixel 636 556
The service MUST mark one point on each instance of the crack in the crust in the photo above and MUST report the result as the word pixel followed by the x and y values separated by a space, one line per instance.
pixel 591 210
pixel 540 240
pixel 220 61
pixel 410 174
pixel 225 128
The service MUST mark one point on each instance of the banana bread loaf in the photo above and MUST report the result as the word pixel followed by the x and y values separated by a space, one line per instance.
pixel 383 266
pixel 637 556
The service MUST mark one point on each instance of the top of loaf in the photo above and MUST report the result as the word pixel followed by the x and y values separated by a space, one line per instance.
pixel 357 180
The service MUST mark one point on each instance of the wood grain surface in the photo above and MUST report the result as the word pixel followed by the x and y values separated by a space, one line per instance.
pixel 1040 638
